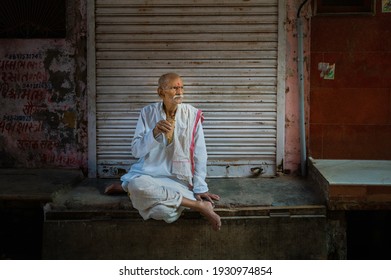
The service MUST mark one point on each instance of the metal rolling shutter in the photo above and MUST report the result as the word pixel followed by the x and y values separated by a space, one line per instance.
pixel 226 52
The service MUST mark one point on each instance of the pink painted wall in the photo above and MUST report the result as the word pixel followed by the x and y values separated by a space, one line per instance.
pixel 43 117
pixel 292 136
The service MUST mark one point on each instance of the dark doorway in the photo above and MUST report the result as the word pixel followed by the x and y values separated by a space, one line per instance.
pixel 369 235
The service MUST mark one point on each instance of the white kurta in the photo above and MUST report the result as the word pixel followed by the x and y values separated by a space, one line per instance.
pixel 154 190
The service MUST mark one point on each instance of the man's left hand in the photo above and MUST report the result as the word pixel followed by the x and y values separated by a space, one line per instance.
pixel 207 196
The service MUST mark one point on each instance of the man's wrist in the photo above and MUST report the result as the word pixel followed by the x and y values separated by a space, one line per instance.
pixel 155 132
pixel 200 190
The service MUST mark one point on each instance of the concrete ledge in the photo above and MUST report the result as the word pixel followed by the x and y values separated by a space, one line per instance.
pixel 282 195
pixel 279 191
pixel 353 184
pixel 28 186
pixel 263 218
pixel 240 238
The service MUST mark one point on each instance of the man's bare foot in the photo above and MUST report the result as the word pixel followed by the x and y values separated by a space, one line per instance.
pixel 206 209
pixel 115 188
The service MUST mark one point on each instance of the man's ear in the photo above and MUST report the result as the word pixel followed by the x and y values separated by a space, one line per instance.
pixel 160 92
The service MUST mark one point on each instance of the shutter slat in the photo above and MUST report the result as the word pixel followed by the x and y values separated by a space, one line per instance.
pixel 226 51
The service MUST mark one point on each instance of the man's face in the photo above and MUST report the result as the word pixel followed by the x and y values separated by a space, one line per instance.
pixel 172 93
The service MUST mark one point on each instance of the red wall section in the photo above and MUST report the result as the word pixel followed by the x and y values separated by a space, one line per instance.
pixel 350 116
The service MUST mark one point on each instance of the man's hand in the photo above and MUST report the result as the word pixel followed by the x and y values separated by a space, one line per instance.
pixel 162 126
pixel 208 197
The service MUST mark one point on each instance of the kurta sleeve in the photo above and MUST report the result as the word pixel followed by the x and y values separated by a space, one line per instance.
pixel 143 141
pixel 200 160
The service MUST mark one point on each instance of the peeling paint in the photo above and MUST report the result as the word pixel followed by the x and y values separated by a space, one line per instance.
pixel 292 140
pixel 43 115
pixel 70 119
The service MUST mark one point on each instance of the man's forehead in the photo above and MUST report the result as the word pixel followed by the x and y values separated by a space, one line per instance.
pixel 175 81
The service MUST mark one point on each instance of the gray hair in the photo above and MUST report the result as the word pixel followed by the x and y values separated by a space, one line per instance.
pixel 166 78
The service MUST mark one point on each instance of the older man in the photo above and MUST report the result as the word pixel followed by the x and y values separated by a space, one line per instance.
pixel 170 173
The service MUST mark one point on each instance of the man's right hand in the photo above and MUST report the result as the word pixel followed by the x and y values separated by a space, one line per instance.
pixel 162 126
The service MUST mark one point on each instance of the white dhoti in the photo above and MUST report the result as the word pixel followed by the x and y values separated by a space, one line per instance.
pixel 158 198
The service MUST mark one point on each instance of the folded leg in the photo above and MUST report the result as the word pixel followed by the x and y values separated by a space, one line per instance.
pixel 158 198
